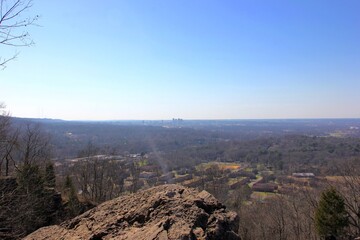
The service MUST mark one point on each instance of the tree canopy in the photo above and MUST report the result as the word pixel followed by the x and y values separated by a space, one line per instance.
pixel 330 215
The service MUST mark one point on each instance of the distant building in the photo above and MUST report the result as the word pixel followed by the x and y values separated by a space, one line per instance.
pixel 264 187
pixel 303 175
pixel 240 183
pixel 242 173
pixel 183 171
pixel 183 178
pixel 149 168
pixel 167 177
pixel 147 175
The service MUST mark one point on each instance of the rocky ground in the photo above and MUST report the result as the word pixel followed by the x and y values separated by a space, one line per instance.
pixel 159 213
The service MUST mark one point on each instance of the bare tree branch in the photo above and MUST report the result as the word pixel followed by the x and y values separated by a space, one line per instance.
pixel 13 26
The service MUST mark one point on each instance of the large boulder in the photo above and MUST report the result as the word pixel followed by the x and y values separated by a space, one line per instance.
pixel 159 213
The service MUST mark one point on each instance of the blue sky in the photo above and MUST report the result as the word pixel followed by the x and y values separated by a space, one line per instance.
pixel 190 59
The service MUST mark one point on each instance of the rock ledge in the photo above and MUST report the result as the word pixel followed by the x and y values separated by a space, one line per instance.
pixel 159 213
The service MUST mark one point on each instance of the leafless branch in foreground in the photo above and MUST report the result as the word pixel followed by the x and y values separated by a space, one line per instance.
pixel 13 25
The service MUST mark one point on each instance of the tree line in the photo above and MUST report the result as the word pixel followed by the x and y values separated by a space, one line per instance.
pixel 330 211
pixel 28 192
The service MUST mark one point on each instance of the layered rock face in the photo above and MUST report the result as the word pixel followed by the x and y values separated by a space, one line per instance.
pixel 159 213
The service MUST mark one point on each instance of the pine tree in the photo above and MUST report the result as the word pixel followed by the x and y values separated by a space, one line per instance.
pixel 50 179
pixel 73 205
pixel 330 215
pixel 32 199
pixel 30 180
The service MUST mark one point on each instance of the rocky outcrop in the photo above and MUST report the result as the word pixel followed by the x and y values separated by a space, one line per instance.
pixel 159 213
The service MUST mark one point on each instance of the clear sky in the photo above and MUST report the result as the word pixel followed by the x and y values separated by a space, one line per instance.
pixel 191 59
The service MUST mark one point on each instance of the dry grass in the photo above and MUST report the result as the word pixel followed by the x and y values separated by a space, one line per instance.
pixel 231 167
pixel 335 179
pixel 262 195
pixel 221 165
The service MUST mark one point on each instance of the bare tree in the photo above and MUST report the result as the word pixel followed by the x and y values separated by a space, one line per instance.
pixel 8 151
pixel 22 146
pixel 13 25
pixel 4 122
pixel 93 178
pixel 25 202
pixel 349 187
pixel 135 175
pixel 280 217
pixel 7 139
pixel 34 146
pixel 98 176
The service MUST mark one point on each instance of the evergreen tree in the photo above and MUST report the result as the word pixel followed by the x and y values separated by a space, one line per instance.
pixel 50 179
pixel 32 199
pixel 30 180
pixel 330 215
pixel 73 204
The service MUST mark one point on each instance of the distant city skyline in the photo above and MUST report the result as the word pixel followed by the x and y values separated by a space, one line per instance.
pixel 145 60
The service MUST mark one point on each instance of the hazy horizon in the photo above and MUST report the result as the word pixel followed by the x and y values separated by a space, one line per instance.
pixel 146 60
pixel 190 119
